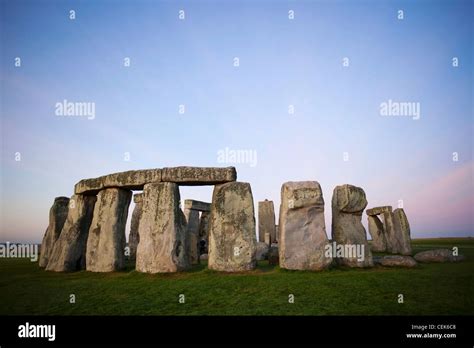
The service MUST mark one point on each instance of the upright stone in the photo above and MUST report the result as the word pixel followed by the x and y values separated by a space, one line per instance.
pixel 402 231
pixel 192 235
pixel 232 240
pixel 203 232
pixel 134 237
pixel 162 231
pixel 376 230
pixel 348 204
pixel 302 228
pixel 69 251
pixel 266 220
pixel 106 241
pixel 57 218
pixel 390 233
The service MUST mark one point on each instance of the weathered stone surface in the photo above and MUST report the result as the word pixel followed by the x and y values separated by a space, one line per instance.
pixel 303 238
pixel 395 261
pixel 277 234
pixel 348 203
pixel 376 230
pixel 402 231
pixel 57 218
pixel 438 255
pixel 106 241
pixel 162 231
pixel 266 220
pixel 134 237
pixel 204 229
pixel 192 235
pixel 379 210
pixel 232 240
pixel 197 205
pixel 199 175
pixel 262 251
pixel 390 233
pixel 132 180
pixel 69 251
pixel 273 256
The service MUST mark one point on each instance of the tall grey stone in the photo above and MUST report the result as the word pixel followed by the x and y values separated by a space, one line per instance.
pixel 302 229
pixel 192 235
pixel 232 240
pixel 266 220
pixel 390 233
pixel 69 251
pixel 106 241
pixel 134 237
pixel 402 231
pixel 377 232
pixel 57 218
pixel 162 231
pixel 348 204
pixel 204 230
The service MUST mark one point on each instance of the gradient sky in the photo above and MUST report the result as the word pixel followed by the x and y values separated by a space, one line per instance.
pixel 282 62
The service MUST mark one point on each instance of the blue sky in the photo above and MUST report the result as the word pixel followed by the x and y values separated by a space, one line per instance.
pixel 283 62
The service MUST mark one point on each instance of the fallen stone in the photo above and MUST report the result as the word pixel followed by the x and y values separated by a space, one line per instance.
pixel 302 228
pixel 57 218
pixel 232 240
pixel 162 231
pixel 131 180
pixel 377 232
pixel 395 261
pixel 348 203
pixel 197 205
pixel 402 231
pixel 438 255
pixel 266 221
pixel 378 210
pixel 199 175
pixel 134 237
pixel 106 241
pixel 262 251
pixel 69 251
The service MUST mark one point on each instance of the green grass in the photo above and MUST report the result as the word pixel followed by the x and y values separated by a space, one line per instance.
pixel 429 289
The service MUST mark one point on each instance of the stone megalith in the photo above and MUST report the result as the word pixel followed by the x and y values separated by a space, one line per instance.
pixel 266 221
pixel 377 232
pixel 106 241
pixel 192 235
pixel 302 228
pixel 232 240
pixel 348 204
pixel 57 218
pixel 402 231
pixel 69 251
pixel 134 237
pixel 204 227
pixel 162 230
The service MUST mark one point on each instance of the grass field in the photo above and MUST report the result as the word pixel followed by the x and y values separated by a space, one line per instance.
pixel 429 289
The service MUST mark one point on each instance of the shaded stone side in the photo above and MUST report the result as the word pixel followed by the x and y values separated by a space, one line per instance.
pixel 57 218
pixel 232 239
pixel 266 221
pixel 402 231
pixel 162 231
pixel 69 251
pixel 302 240
pixel 377 232
pixel 192 235
pixel 106 241
pixel 348 203
pixel 134 237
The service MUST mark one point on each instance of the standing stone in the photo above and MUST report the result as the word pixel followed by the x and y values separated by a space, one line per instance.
pixel 266 221
pixel 376 230
pixel 192 235
pixel 106 241
pixel 402 231
pixel 69 251
pixel 262 251
pixel 348 203
pixel 232 240
pixel 162 231
pixel 390 233
pixel 273 256
pixel 134 237
pixel 57 218
pixel 203 232
pixel 302 228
